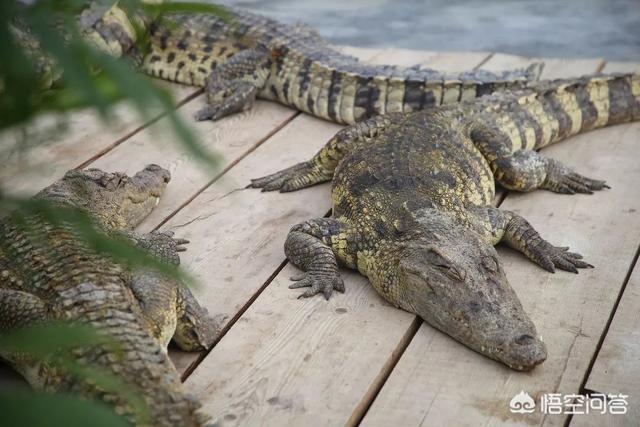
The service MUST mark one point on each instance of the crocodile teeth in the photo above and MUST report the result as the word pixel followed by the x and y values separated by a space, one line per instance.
pixel 157 201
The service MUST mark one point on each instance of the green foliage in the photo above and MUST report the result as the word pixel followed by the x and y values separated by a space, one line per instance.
pixel 23 408
pixel 46 66
pixel 52 344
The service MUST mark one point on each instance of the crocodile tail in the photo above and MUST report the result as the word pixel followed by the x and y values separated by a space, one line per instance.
pixel 550 111
pixel 506 80
pixel 364 91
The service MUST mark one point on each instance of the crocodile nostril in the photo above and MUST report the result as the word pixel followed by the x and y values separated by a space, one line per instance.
pixel 525 339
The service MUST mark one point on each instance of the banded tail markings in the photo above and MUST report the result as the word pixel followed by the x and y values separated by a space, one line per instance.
pixel 549 125
pixel 315 84
pixel 304 79
pixel 395 94
pixel 363 104
pixel 347 99
pixel 621 96
pixel 293 90
pixel 468 90
pixel 414 95
pixel 334 96
pixel 451 91
pixel 433 92
pixel 568 100
pixel 322 102
pixel 381 84
pixel 599 94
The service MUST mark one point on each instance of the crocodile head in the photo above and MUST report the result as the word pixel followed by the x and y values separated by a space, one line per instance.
pixel 455 281
pixel 115 200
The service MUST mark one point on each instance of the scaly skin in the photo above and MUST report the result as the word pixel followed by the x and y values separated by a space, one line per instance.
pixel 412 205
pixel 252 56
pixel 48 274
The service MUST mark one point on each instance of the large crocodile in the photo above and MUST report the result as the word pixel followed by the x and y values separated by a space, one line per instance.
pixel 245 56
pixel 48 274
pixel 412 206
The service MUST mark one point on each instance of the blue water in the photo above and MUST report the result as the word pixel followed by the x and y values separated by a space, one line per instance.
pixel 551 28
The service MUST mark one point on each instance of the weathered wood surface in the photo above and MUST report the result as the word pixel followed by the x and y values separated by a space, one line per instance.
pixel 282 361
pixel 85 138
pixel 617 367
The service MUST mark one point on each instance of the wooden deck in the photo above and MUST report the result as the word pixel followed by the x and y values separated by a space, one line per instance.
pixel 355 359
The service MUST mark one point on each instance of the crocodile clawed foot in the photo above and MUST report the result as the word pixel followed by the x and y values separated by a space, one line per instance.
pixel 208 112
pixel 290 179
pixel 561 179
pixel 318 282
pixel 551 257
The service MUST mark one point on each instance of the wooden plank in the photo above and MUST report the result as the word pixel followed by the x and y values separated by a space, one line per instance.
pixel 554 68
pixel 230 138
pixel 617 366
pixel 622 67
pixel 287 361
pixel 86 135
pixel 439 382
pixel 630 419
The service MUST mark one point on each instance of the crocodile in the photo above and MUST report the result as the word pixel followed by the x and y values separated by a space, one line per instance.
pixel 413 209
pixel 49 274
pixel 241 56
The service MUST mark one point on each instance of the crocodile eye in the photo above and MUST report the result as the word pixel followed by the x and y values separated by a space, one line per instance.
pixel 490 263
pixel 436 259
pixel 456 273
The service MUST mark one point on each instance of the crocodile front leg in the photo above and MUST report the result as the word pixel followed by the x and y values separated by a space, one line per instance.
pixel 170 308
pixel 316 246
pixel 20 310
pixel 321 167
pixel 516 232
pixel 233 87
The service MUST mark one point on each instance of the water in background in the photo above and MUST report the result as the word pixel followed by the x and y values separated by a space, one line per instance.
pixel 551 28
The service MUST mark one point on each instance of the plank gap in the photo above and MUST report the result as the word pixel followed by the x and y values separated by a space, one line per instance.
pixel 605 331
pixel 140 128
pixel 238 315
pixel 226 169
pixel 372 392
pixel 484 61
pixel 232 322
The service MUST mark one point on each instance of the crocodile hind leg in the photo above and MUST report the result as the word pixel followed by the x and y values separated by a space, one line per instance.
pixel 170 308
pixel 321 167
pixel 20 309
pixel 195 330
pixel 516 232
pixel 233 87
pixel 527 170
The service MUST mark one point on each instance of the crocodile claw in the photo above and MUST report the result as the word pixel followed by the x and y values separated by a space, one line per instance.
pixel 551 257
pixel 561 179
pixel 292 178
pixel 317 282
